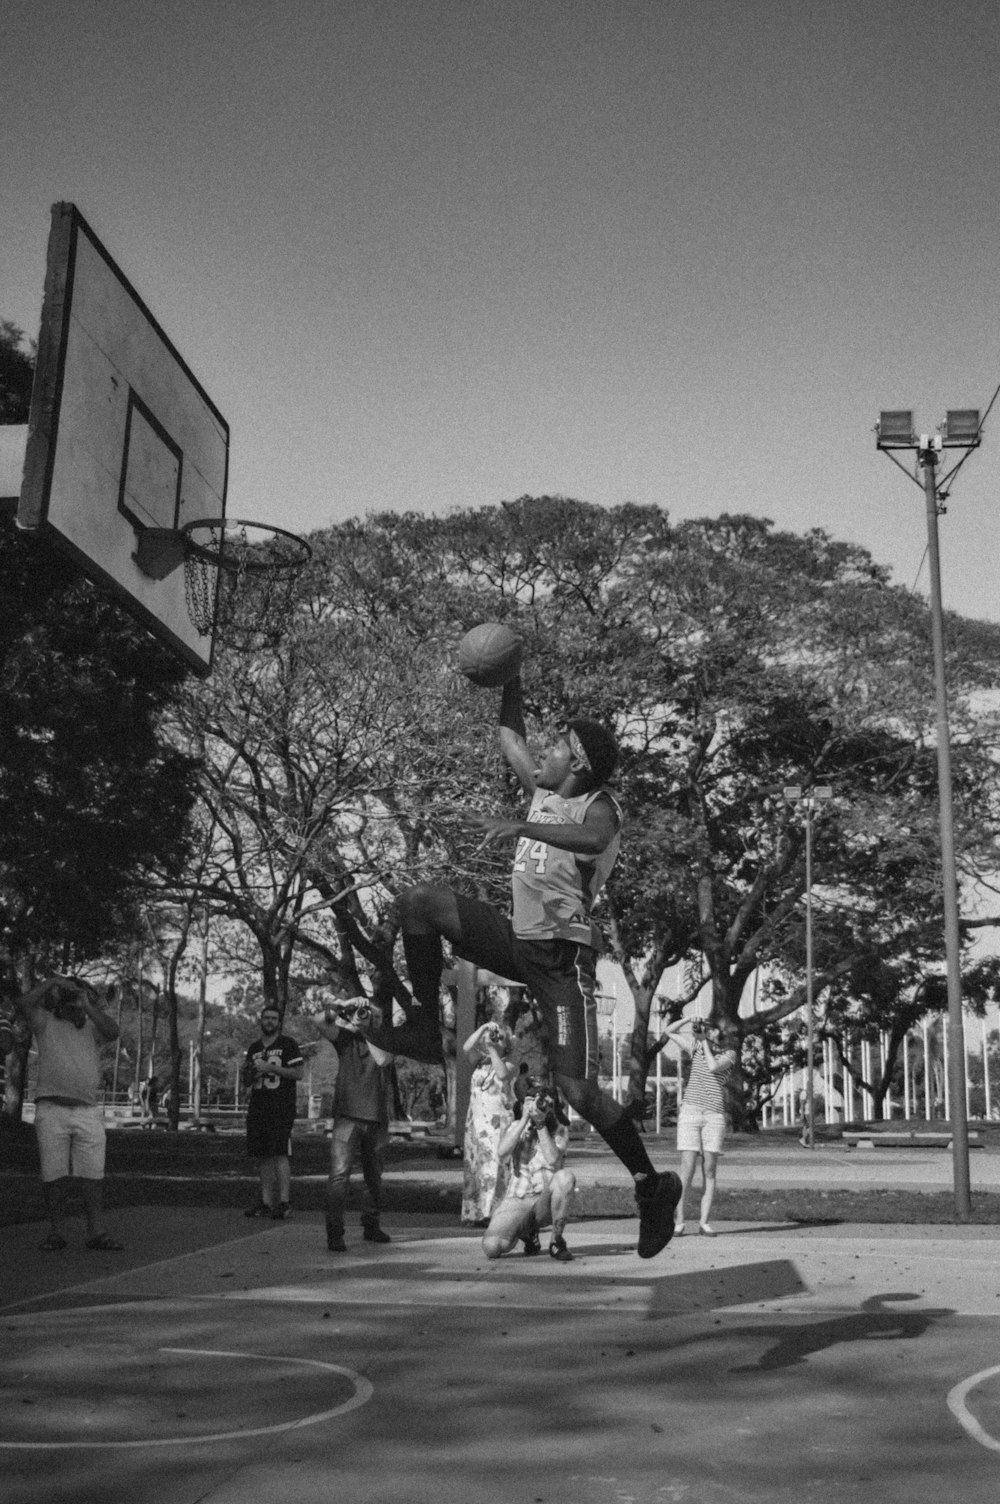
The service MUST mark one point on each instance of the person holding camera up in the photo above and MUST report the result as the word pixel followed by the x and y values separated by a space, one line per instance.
pixel 271 1069
pixel 701 1121
pixel 490 1108
pixel 539 1185
pixel 70 1028
pixel 360 1115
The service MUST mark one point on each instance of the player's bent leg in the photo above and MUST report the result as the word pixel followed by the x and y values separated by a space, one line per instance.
pixel 656 1194
pixel 427 913
pixel 595 1106
pixel 429 909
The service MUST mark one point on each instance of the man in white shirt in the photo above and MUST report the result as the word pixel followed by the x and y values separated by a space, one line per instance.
pixel 70 1028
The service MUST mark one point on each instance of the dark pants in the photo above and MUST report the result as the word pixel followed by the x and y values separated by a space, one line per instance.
pixel 354 1138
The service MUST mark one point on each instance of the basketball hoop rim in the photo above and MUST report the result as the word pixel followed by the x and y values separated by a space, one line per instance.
pixel 215 553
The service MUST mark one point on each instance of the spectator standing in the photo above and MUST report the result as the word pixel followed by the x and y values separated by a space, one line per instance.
pixel 149 1097
pixel 271 1070
pixel 70 1028
pixel 490 1111
pixel 701 1121
pixel 360 1115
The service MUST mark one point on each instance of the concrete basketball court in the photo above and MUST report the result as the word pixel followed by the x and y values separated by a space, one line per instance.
pixel 218 1361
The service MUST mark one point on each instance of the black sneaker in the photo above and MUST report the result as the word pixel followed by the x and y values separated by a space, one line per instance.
pixel 372 1233
pixel 656 1212
pixel 260 1210
pixel 282 1213
pixel 558 1250
pixel 532 1245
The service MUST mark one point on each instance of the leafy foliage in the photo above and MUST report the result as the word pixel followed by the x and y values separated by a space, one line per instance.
pixel 731 659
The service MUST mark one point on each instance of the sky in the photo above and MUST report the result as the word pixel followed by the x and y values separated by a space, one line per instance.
pixel 435 254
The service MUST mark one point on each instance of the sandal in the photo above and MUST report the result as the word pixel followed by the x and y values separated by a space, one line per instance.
pixel 54 1243
pixel 104 1243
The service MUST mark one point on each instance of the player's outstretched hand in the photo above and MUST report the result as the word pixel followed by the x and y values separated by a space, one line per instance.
pixel 493 828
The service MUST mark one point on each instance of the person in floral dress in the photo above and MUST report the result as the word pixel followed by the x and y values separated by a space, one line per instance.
pixel 490 1113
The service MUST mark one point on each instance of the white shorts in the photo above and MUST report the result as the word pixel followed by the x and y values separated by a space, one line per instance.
pixel 71 1140
pixel 699 1131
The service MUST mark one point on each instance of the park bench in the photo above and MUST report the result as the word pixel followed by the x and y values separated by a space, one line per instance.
pixel 915 1139
pixel 403 1129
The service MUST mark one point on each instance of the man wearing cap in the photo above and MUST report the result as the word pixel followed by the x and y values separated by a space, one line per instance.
pixel 566 846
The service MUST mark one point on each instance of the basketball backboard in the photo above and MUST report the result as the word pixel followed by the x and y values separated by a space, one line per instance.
pixel 123 444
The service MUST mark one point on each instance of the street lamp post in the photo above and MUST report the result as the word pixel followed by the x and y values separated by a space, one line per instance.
pixel 808 799
pixel 962 429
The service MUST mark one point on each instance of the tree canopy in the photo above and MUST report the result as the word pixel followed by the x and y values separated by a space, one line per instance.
pixel 91 796
pixel 730 658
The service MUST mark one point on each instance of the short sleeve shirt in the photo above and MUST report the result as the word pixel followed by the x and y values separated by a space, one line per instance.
pixel 280 1090
pixel 705 1087
pixel 362 1088
pixel 69 1059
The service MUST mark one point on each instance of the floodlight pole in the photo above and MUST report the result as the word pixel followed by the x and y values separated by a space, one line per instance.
pixel 927 458
pixel 962 430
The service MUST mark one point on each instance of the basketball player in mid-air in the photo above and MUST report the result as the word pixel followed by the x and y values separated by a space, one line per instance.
pixel 566 847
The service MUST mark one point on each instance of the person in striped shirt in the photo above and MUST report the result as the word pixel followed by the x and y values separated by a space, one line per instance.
pixel 701 1121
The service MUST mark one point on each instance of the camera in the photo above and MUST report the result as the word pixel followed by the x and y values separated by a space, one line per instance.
pixel 699 1028
pixel 64 1002
pixel 495 1034
pixel 357 1013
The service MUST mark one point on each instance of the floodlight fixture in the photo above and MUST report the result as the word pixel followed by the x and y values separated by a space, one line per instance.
pixel 961 427
pixel 894 429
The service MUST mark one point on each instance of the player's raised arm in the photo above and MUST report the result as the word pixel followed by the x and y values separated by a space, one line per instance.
pixel 513 735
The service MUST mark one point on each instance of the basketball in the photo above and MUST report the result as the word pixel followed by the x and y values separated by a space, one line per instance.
pixel 490 654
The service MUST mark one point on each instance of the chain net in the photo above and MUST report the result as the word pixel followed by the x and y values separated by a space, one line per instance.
pixel 243 551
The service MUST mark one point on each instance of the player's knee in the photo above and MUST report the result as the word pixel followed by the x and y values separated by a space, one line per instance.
pixel 494 1246
pixel 420 902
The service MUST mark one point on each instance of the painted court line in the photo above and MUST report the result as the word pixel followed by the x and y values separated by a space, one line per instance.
pixel 363 1391
pixel 958 1408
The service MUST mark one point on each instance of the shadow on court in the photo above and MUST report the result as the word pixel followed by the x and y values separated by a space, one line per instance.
pixel 262 1368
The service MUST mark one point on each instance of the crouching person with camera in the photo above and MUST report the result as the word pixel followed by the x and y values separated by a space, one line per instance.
pixel 70 1027
pixel 539 1186
pixel 360 1115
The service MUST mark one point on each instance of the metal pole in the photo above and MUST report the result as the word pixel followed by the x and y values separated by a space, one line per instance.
pixel 986 1071
pixel 808 1134
pixel 959 1118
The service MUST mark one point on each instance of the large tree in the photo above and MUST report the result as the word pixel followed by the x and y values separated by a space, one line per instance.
pixel 91 797
pixel 732 659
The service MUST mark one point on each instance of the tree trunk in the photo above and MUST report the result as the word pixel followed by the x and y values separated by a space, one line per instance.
pixel 16 1080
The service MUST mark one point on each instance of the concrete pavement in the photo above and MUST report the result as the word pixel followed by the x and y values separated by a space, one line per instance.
pixel 218 1360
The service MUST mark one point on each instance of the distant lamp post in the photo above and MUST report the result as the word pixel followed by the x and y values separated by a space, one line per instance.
pixel 962 429
pixel 808 799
